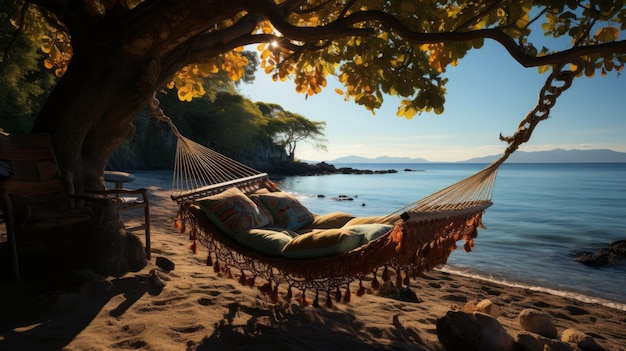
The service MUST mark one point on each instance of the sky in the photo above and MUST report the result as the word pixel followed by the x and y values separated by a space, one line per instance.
pixel 488 93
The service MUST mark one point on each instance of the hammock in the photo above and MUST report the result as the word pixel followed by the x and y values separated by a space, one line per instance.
pixel 422 237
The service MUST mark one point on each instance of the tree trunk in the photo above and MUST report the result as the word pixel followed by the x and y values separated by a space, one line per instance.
pixel 88 115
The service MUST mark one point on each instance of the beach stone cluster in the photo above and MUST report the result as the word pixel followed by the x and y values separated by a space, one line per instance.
pixel 476 328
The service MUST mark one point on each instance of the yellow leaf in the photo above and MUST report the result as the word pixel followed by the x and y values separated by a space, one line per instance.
pixel 607 34
pixel 47 63
pixel 265 54
pixel 338 91
pixel 543 69
pixel 184 93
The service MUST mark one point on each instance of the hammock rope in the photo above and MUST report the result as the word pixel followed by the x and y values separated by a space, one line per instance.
pixel 423 236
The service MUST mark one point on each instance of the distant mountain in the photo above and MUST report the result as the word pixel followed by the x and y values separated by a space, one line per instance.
pixel 552 156
pixel 380 159
pixel 559 156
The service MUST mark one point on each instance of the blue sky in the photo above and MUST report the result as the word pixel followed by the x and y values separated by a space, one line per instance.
pixel 488 93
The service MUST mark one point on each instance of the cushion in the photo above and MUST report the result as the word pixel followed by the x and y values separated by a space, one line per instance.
pixel 330 220
pixel 371 220
pixel 322 243
pixel 268 242
pixel 262 208
pixel 287 211
pixel 370 231
pixel 234 210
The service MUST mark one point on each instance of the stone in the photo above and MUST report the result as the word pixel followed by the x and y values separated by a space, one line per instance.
pixel 156 280
pixel 537 322
pixel 165 263
pixel 488 307
pixel 529 342
pixel 476 331
pixel 580 339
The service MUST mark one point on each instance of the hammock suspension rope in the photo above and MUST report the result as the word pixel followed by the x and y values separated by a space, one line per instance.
pixel 423 236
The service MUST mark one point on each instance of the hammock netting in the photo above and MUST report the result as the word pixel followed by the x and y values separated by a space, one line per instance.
pixel 424 233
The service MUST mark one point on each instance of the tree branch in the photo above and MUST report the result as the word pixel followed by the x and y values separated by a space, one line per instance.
pixel 343 27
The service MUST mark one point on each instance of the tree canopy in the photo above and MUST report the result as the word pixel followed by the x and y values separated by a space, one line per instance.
pixel 373 47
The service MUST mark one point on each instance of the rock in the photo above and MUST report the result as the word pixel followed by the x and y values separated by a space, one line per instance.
pixel 165 264
pixel 533 342
pixel 476 331
pixel 529 342
pixel 616 251
pixel 555 345
pixel 156 280
pixel 580 339
pixel 537 322
pixel 488 307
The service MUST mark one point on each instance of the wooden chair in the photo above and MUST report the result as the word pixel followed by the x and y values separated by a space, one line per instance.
pixel 33 195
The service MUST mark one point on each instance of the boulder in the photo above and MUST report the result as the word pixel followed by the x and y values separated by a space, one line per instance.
pixel 534 342
pixel 476 331
pixel 488 307
pixel 581 340
pixel 537 322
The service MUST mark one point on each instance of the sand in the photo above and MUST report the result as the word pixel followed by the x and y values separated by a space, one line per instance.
pixel 199 310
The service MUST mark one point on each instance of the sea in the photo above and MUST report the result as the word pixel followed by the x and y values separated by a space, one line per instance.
pixel 543 217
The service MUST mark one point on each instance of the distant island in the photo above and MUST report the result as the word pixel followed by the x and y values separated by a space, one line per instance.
pixel 551 156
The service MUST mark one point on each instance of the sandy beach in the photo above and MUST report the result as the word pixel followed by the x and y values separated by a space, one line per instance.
pixel 198 310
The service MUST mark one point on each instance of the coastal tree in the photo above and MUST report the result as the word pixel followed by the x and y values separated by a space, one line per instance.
pixel 112 56
pixel 287 129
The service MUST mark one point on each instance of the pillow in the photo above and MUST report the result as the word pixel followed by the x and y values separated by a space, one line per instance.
pixel 321 243
pixel 287 211
pixel 268 242
pixel 370 231
pixel 234 210
pixel 330 220
pixel 373 220
pixel 262 208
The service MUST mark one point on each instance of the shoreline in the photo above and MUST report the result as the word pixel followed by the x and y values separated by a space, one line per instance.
pixel 198 310
pixel 584 298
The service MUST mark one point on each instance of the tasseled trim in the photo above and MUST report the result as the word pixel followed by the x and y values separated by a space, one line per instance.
pixel 338 295
pixel 361 290
pixel 289 294
pixel 329 300
pixel 469 245
pixel 398 279
pixel 316 301
pixel 375 283
pixel 303 300
pixel 194 247
pixel 347 295
pixel 386 276
pixel 209 260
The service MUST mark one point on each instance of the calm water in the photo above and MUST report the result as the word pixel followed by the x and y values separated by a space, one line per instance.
pixel 543 215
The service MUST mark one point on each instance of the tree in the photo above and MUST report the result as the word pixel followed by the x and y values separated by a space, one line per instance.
pixel 114 55
pixel 24 85
pixel 287 129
